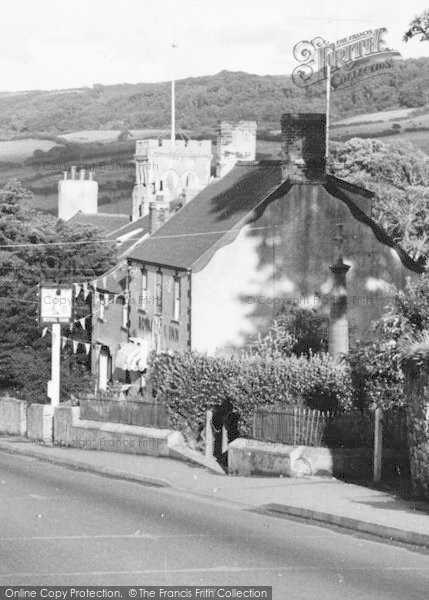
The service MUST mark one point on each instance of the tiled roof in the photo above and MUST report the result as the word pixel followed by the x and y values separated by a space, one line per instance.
pixel 130 235
pixel 129 227
pixel 217 214
pixel 211 217
pixel 108 222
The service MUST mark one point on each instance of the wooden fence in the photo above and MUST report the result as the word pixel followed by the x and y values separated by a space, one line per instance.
pixel 296 426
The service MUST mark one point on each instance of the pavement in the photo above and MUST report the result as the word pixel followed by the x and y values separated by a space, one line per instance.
pixel 66 527
pixel 323 500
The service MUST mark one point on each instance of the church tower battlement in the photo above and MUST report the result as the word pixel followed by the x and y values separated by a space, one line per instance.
pixel 167 171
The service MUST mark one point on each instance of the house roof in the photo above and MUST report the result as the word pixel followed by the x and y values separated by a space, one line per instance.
pixel 114 280
pixel 211 217
pixel 130 235
pixel 106 221
pixel 130 227
pixel 217 214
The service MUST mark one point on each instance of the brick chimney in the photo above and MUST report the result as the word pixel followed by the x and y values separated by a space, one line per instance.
pixel 338 320
pixel 154 220
pixel 235 142
pixel 303 147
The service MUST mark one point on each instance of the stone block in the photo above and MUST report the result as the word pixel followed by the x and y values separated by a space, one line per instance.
pixel 40 422
pixel 13 416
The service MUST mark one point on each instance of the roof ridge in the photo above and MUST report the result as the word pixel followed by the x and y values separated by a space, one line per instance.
pixel 382 236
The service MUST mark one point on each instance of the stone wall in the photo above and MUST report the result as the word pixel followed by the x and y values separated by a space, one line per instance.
pixel 13 416
pixel 39 422
pixel 248 457
pixel 71 430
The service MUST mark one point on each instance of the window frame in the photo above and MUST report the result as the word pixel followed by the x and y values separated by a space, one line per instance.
pixel 125 316
pixel 144 287
pixel 159 283
pixel 102 308
pixel 177 298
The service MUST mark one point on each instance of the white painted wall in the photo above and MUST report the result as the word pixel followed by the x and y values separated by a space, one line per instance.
pixel 220 313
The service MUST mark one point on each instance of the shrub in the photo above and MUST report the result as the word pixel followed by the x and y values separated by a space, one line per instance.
pixel 377 366
pixel 192 383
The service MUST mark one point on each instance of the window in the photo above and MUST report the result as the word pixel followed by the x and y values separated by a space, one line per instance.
pixel 143 289
pixel 159 293
pixel 101 308
pixel 176 299
pixel 125 313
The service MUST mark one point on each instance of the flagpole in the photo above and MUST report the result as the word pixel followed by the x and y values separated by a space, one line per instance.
pixel 328 104
pixel 173 98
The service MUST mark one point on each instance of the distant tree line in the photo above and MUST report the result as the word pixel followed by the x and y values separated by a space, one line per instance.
pixel 202 101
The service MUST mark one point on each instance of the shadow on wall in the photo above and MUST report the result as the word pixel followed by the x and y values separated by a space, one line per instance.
pixel 290 247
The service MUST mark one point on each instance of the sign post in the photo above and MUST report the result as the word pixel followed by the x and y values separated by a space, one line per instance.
pixel 55 307
pixel 54 391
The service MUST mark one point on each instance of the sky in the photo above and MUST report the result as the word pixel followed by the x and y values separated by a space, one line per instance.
pixel 52 44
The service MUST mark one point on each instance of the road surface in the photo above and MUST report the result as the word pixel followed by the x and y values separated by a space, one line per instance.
pixel 66 527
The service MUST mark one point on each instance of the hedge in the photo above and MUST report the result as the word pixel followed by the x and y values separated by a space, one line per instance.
pixel 191 383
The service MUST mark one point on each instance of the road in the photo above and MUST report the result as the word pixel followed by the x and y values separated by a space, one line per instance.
pixel 67 527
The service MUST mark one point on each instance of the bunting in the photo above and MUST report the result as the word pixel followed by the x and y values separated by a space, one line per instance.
pixel 75 346
pixel 44 331
pixel 63 342
pixel 82 322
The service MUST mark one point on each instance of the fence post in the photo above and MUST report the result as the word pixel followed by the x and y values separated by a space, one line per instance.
pixel 378 444
pixel 209 434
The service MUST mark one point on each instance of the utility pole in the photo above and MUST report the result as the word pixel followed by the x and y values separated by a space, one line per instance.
pixel 328 104
pixel 173 97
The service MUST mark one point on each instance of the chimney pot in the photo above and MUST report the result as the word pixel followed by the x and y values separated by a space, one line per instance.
pixel 65 175
pixel 91 175
pixel 82 174
pixel 73 172
pixel 303 147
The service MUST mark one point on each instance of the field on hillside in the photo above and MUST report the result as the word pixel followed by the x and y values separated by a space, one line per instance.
pixel 112 161
pixel 385 115
pixel 106 136
pixel 383 124
pixel 17 150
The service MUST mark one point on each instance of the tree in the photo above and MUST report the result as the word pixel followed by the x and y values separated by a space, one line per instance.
pixel 295 330
pixel 398 174
pixel 34 248
pixel 418 26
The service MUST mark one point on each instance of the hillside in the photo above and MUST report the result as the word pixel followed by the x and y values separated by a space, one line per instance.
pixel 201 101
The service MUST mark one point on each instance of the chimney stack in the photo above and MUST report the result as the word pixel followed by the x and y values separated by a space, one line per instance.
pixel 162 216
pixel 235 142
pixel 154 220
pixel 303 147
